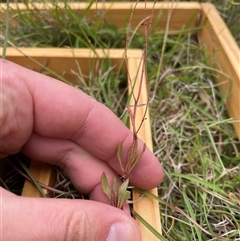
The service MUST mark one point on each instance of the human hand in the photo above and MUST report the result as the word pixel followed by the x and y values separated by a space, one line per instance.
pixel 56 123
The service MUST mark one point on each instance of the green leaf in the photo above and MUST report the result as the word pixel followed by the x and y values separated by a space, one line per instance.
pixel 124 185
pixel 115 185
pixel 123 194
pixel 105 186
pixel 114 199
pixel 132 152
pixel 119 156
pixel 138 158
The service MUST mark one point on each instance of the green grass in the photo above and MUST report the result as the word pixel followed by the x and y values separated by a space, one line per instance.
pixel 192 134
pixel 197 146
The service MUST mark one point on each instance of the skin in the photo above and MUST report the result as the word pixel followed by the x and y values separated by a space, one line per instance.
pixel 53 122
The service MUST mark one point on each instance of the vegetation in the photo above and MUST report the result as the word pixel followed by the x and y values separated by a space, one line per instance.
pixel 192 133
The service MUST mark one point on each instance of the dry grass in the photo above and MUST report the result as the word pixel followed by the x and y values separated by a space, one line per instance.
pixel 192 133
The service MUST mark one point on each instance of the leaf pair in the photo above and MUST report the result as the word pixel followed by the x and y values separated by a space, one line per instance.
pixel 132 159
pixel 117 195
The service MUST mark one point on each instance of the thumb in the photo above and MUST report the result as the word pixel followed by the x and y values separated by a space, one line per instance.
pixel 36 219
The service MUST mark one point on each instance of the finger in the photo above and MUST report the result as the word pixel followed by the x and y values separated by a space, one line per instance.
pixel 61 219
pixel 84 169
pixel 5 193
pixel 16 108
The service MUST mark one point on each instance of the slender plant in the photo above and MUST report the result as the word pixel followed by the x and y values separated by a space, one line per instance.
pixel 118 195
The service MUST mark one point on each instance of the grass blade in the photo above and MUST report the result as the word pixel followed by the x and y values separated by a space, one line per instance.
pixel 32 178
pixel 6 32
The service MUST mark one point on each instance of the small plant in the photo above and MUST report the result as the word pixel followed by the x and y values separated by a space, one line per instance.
pixel 118 195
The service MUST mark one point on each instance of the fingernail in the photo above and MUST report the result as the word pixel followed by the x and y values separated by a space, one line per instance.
pixel 120 231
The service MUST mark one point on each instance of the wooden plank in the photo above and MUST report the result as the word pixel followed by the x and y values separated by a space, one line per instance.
pixel 62 61
pixel 43 173
pixel 183 15
pixel 147 207
pixel 224 55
